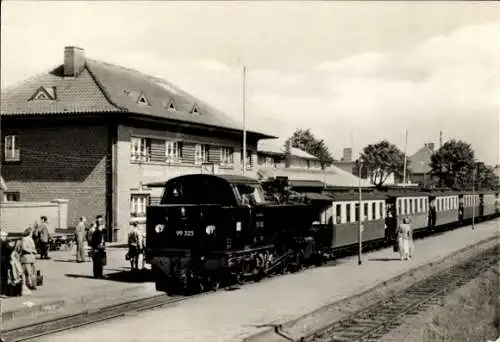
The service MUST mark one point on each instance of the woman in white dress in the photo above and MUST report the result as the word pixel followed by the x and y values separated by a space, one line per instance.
pixel 406 241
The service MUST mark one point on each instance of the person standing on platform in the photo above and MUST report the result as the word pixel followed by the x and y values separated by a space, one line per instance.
pixel 28 252
pixel 98 244
pixel 406 239
pixel 80 236
pixel 43 234
pixel 5 253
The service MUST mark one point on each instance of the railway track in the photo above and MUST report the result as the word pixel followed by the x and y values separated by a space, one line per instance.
pixel 68 322
pixel 371 323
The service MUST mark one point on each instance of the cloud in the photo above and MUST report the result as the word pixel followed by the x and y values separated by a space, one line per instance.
pixel 440 84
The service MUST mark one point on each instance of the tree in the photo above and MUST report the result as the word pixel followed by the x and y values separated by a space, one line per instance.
pixel 306 141
pixel 485 177
pixel 453 163
pixel 381 160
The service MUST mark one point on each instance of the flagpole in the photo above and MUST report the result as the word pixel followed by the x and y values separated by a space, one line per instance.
pixel 404 168
pixel 244 123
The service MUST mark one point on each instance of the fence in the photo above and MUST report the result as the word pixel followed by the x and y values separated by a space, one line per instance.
pixel 15 217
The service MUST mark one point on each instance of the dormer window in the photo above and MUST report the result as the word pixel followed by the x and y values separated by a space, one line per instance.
pixel 196 109
pixel 43 93
pixel 171 106
pixel 142 100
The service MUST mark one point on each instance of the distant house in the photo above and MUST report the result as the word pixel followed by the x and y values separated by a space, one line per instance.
pixel 420 165
pixel 94 133
pixel 496 170
pixel 272 154
pixel 300 166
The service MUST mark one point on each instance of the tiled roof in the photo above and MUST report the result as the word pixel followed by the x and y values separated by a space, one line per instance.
pixel 103 87
pixel 420 161
pixel 80 94
pixel 277 147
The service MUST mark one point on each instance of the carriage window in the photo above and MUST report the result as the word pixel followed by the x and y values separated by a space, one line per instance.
pixel 348 213
pixel 338 213
pixel 405 207
pixel 380 210
pixel 365 212
pixel 411 206
pixel 374 210
pixel 356 212
pixel 422 204
pixel 400 206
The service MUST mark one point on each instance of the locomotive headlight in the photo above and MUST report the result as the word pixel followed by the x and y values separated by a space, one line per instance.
pixel 210 229
pixel 159 228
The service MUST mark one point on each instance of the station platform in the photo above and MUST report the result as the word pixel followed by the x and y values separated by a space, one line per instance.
pixel 231 316
pixel 69 287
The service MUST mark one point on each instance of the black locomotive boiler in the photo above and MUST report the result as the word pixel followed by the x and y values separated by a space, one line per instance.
pixel 209 230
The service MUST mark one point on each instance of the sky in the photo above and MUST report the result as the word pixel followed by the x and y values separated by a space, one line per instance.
pixel 353 72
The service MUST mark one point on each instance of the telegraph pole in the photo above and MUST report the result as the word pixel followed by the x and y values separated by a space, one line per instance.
pixel 244 122
pixel 473 195
pixel 406 159
pixel 360 228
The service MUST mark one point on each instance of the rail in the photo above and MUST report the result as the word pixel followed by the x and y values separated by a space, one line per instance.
pixel 371 323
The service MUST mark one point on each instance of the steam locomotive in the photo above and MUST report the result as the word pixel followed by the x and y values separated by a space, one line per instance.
pixel 210 230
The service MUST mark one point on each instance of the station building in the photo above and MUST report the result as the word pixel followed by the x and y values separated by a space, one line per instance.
pixel 95 133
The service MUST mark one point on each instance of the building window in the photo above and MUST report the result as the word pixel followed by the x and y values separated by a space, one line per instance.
pixel 12 196
pixel 140 149
pixel 12 150
pixel 269 162
pixel 249 158
pixel 171 106
pixel 173 151
pixel 201 154
pixel 226 156
pixel 138 204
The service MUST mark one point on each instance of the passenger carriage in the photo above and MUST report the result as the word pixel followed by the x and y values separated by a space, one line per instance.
pixel 446 204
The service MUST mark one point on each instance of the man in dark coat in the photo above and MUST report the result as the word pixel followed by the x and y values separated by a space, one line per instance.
pixel 98 244
pixel 43 235
pixel 5 251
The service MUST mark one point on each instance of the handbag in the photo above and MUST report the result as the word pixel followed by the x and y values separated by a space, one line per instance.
pixel 395 247
pixel 127 257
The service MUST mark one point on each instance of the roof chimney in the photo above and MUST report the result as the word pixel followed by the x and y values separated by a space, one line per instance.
pixel 74 60
pixel 347 154
pixel 430 146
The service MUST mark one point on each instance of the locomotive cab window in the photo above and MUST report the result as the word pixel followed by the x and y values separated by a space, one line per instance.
pixel 250 194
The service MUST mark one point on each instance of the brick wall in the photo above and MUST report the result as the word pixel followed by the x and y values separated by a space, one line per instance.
pixel 59 161
pixel 129 174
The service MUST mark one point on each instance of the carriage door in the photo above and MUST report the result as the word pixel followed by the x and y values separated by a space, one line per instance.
pixel 460 207
pixel 481 204
pixel 432 214
pixel 391 219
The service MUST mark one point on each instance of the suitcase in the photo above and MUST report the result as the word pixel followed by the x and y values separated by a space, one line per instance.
pixel 104 258
pixel 39 278
pixel 15 289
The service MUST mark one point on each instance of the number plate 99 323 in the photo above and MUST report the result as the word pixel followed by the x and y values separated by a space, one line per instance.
pixel 184 233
